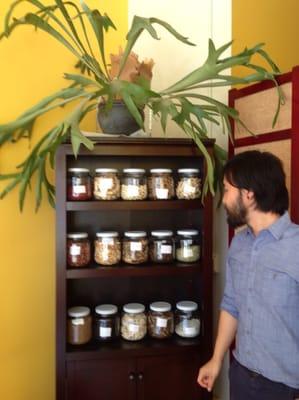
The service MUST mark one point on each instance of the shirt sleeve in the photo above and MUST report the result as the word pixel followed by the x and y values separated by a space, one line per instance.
pixel 228 301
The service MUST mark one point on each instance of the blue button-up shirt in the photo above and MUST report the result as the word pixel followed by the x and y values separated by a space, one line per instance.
pixel 262 293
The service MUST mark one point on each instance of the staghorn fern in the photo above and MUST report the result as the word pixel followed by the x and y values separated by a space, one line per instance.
pixel 67 22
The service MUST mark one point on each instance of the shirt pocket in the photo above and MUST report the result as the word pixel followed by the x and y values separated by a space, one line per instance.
pixel 278 288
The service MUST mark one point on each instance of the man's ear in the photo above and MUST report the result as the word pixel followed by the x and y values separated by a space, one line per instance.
pixel 248 195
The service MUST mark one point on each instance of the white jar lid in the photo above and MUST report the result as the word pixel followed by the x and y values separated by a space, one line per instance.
pixel 188 171
pixel 78 170
pixel 188 232
pixel 160 171
pixel 160 306
pixel 78 312
pixel 103 170
pixel 135 234
pixel 187 305
pixel 106 309
pixel 133 308
pixel 134 171
pixel 77 235
pixel 107 234
pixel 161 233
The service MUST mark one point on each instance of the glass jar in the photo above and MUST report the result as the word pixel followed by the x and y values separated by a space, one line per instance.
pixel 135 247
pixel 79 184
pixel 188 245
pixel 160 184
pixel 78 249
pixel 161 247
pixel 79 330
pixel 189 184
pixel 133 184
pixel 106 322
pixel 160 320
pixel 187 321
pixel 106 184
pixel 107 248
pixel 133 322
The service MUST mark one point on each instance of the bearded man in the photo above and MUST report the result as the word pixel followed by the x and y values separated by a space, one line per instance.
pixel 260 305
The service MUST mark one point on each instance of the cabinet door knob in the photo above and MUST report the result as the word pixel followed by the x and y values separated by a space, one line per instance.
pixel 132 376
pixel 140 376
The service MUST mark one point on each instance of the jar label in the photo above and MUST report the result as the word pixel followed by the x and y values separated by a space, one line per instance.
pixel 78 321
pixel 105 254
pixel 187 252
pixel 75 250
pixel 79 189
pixel 105 332
pixel 190 189
pixel 191 330
pixel 166 249
pixel 136 246
pixel 133 328
pixel 161 322
pixel 132 190
pixel 106 184
pixel 162 193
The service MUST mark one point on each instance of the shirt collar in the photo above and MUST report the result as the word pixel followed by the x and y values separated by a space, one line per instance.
pixel 278 227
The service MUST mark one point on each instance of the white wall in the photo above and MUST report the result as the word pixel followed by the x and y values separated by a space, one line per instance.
pixel 199 20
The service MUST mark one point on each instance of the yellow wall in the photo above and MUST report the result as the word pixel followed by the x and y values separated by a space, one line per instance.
pixel 273 22
pixel 31 67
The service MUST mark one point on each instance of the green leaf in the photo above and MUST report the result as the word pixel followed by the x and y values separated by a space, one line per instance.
pixel 133 109
pixel 99 24
pixel 77 139
pixel 139 24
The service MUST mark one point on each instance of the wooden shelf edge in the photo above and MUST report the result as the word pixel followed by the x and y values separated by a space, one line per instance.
pixel 124 348
pixel 133 205
pixel 130 271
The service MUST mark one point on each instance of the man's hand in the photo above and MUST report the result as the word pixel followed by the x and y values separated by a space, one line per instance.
pixel 208 373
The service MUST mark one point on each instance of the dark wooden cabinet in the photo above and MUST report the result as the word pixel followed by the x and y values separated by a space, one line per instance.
pixel 144 378
pixel 149 369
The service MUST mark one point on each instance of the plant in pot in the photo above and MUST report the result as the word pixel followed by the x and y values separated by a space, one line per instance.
pixel 98 82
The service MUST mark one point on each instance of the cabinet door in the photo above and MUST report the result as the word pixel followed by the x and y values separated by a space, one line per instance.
pixel 101 380
pixel 168 377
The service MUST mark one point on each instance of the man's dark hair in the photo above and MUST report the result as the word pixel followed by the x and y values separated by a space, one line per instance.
pixel 263 174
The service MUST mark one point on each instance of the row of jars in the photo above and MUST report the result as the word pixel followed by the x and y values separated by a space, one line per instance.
pixel 133 184
pixel 134 247
pixel 134 324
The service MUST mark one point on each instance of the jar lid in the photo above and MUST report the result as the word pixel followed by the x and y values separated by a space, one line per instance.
pixel 78 312
pixel 161 233
pixel 187 305
pixel 106 309
pixel 79 170
pixel 135 234
pixel 107 234
pixel 103 170
pixel 160 171
pixel 133 308
pixel 160 306
pixel 188 171
pixel 134 171
pixel 188 232
pixel 77 235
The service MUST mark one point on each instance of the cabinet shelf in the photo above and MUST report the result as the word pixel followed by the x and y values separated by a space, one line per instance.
pixel 144 347
pixel 133 205
pixel 125 270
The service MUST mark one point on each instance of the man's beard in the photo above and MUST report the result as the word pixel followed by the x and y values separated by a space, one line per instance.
pixel 237 214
